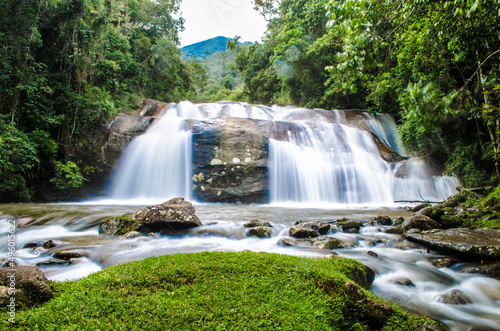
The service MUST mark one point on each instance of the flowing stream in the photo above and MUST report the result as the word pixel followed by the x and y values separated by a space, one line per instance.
pixel 323 165
pixel 394 260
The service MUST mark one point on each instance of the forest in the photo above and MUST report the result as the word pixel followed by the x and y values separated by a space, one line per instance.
pixel 68 67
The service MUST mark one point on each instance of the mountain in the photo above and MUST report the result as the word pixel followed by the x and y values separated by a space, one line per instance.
pixel 204 49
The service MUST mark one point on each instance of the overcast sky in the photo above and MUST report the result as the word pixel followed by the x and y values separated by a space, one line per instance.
pixel 206 19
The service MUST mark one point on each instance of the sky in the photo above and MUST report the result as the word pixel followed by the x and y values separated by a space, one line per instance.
pixel 206 19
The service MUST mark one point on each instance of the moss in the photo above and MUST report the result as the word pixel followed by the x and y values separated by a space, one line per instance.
pixel 125 223
pixel 212 291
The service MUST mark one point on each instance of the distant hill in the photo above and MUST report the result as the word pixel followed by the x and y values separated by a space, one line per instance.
pixel 204 49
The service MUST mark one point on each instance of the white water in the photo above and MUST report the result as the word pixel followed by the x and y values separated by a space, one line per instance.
pixel 316 157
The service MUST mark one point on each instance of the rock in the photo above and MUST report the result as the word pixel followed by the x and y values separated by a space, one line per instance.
pixel 405 244
pixel 490 270
pixel 454 297
pixel 382 220
pixel 479 243
pixel 433 212
pixel 132 234
pixel 404 282
pixel 443 262
pixel 419 207
pixel 68 254
pixel 420 222
pixel 168 218
pixel 328 243
pixel 52 262
pixel 350 226
pixel 230 160
pixel 259 232
pixel 33 244
pixel 287 242
pixel 376 312
pixel 52 243
pixel 7 293
pixel 29 279
pixel 398 221
pixel 300 231
pixel 152 107
pixel 394 230
pixel 320 226
pixel 371 253
pixel 122 131
pixel 256 223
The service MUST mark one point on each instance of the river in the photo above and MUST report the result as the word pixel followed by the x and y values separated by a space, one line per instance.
pixel 393 259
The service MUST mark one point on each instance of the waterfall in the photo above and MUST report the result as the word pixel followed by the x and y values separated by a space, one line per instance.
pixel 314 157
pixel 156 165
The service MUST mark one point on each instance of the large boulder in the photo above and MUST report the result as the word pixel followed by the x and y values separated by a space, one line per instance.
pixel 169 218
pixel 482 243
pixel 30 280
pixel 230 160
pixel 420 222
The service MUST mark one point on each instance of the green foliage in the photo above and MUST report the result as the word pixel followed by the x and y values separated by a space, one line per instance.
pixel 68 67
pixel 212 291
pixel 18 160
pixel 67 176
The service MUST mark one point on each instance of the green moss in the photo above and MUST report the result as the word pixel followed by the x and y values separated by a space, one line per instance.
pixel 211 291
pixel 125 223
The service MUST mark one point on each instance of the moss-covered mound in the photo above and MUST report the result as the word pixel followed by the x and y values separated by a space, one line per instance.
pixel 220 291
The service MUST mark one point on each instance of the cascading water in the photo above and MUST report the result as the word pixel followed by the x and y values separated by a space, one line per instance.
pixel 156 165
pixel 315 157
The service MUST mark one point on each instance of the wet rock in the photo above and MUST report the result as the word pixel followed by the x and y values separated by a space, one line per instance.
pixel 454 297
pixel 382 220
pixel 300 231
pixel 420 222
pixel 30 279
pixel 350 226
pixel 33 244
pixel 287 242
pixel 21 299
pixel 256 223
pixel 443 262
pixel 376 312
pixel 490 270
pixel 328 243
pixel 52 262
pixel 259 232
pixel 404 282
pixel 371 253
pixel 398 221
pixel 419 207
pixel 132 234
pixel 230 160
pixel 433 212
pixel 68 254
pixel 168 218
pixel 405 244
pixel 476 243
pixel 52 243
pixel 394 230
pixel 122 131
pixel 320 226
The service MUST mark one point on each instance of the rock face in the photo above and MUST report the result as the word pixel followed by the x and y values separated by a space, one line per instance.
pixel 168 218
pixel 123 129
pixel 230 160
pixel 483 243
pixel 30 280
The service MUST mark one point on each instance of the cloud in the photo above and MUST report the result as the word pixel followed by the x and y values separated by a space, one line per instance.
pixel 229 18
